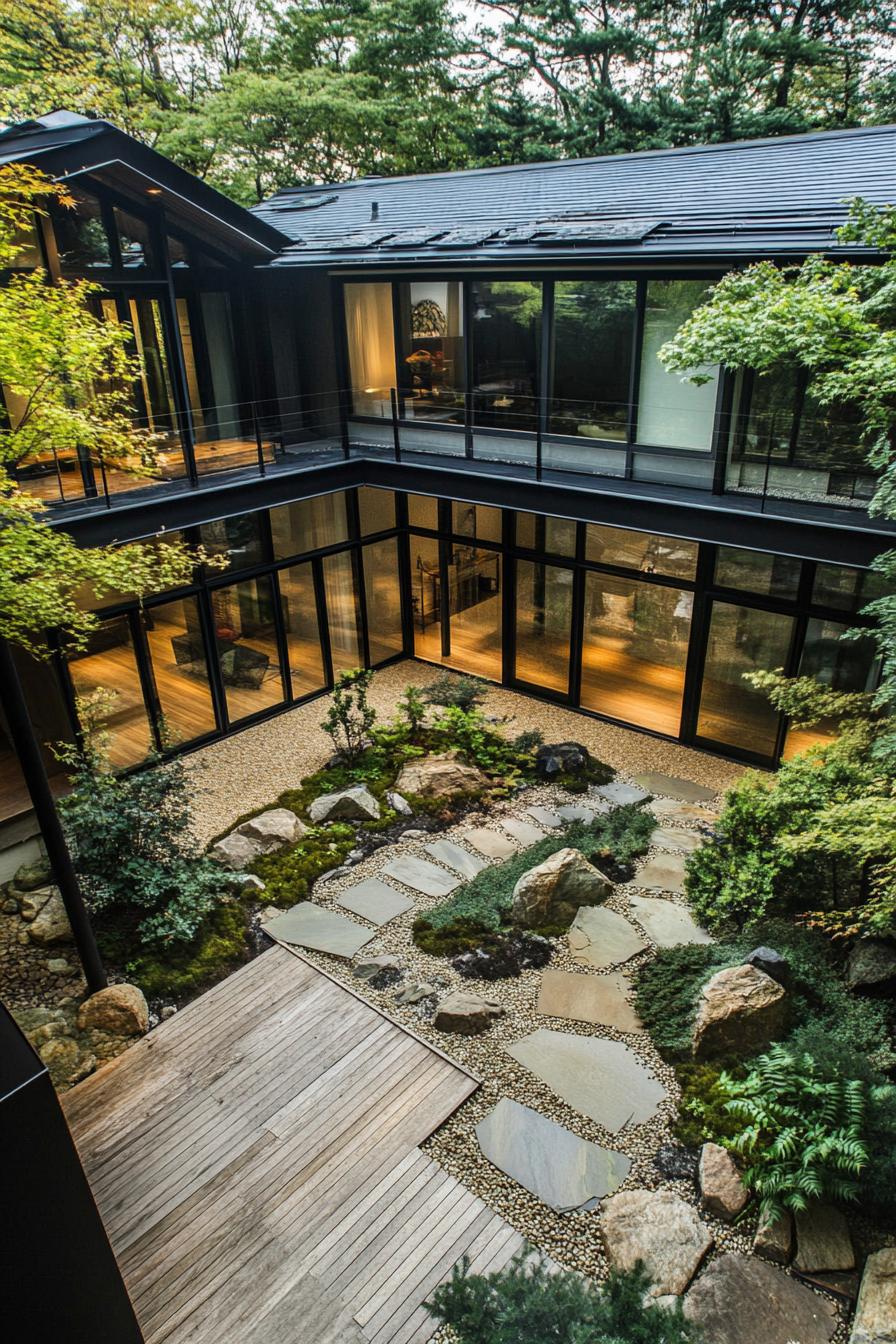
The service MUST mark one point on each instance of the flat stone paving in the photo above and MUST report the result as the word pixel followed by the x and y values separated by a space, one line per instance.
pixel 601 999
pixel 669 786
pixel 456 857
pixel 664 873
pixel 682 814
pixel 576 812
pixel 374 900
pixel 545 816
pixel 599 937
pixel 603 1079
pixel 309 925
pixel 620 793
pixel 492 843
pixel 420 875
pixel 551 1162
pixel 676 840
pixel 523 831
pixel 668 924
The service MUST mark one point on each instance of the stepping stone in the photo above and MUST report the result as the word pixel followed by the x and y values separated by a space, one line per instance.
pixel 680 842
pixel 621 794
pixel 665 873
pixel 668 924
pixel 454 856
pixel 739 1299
pixel 601 999
pixel 663 1232
pixel 420 875
pixel 309 925
pixel 374 900
pixel 575 813
pixel 523 831
pixel 491 843
pixel 544 816
pixel 682 814
pixel 684 790
pixel 551 1162
pixel 604 1080
pixel 599 937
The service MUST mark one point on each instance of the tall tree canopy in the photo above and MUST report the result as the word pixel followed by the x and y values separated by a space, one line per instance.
pixel 255 94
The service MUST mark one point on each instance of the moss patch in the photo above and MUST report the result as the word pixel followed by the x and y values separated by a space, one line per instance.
pixel 289 874
pixel 181 973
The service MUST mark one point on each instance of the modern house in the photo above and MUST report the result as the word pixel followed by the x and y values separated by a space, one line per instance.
pixel 426 416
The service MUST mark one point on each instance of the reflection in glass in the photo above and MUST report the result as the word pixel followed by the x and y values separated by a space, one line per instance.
pixel 769 575
pixel 343 615
pixel 81 240
pixel 847 589
pixel 476 521
pixel 543 623
pixel 246 638
pixel 134 240
pixel 383 597
pixel 768 428
pixel 239 538
pixel 180 670
pixel 474 605
pixel 423 511
pixel 672 412
pixel 309 525
pixel 594 323
pixel 371 347
pixel 109 664
pixel 46 475
pixel 28 249
pixel 431 362
pixel 155 379
pixel 49 718
pixel 741 640
pixel 557 536
pixel 299 606
pixel 635 651
pixel 425 597
pixel 829 436
pixel 376 509
pixel 839 663
pixel 506 322
pixel 644 551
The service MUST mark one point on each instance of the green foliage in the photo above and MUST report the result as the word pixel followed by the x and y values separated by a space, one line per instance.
pixel 802 1133
pixel 289 874
pixel 350 718
pixel 184 971
pixel 703 1115
pixel 451 690
pixel 132 843
pixel 668 988
pixel 412 711
pixel 527 1302
pixel 482 904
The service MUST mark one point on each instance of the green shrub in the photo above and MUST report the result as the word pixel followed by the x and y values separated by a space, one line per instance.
pixel 526 1302
pixel 803 1134
pixel 350 719
pixel 483 903
pixel 668 988
pixel 181 973
pixel 461 692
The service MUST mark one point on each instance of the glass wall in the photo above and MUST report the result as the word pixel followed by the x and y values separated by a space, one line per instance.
pixel 543 625
pixel 839 662
pixel 426 595
pixel 474 606
pixel 309 525
pixel 376 509
pixel 755 572
pixel 343 612
pixel 643 551
pixel 382 590
pixel 431 359
pixel 371 347
pixel 672 412
pixel 476 521
pixel 554 535
pixel 105 675
pixel 81 240
pixel 594 326
pixel 298 604
pixel 179 670
pixel 423 511
pixel 506 326
pixel 847 589
pixel 240 539
pixel 741 640
pixel 246 644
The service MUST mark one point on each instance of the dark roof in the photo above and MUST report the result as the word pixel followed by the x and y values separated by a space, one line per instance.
pixel 67 146
pixel 782 196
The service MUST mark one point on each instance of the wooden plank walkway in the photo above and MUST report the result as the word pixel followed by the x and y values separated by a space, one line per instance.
pixel 255 1160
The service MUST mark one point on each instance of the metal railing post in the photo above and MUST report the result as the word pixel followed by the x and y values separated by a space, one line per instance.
pixel 396 436
pixel 256 425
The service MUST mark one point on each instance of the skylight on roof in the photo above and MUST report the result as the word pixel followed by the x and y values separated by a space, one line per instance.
pixel 303 202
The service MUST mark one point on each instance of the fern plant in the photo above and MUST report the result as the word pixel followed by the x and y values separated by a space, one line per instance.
pixel 803 1134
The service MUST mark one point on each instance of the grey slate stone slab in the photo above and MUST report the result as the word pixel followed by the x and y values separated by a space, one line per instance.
pixel 682 814
pixel 575 812
pixel 599 937
pixel 420 875
pixel 309 925
pixel 678 841
pixel 551 1162
pixel 374 900
pixel 602 999
pixel 544 816
pixel 523 831
pixel 491 843
pixel 603 1079
pixel 620 793
pixel 666 923
pixel 739 1299
pixel 668 786
pixel 456 857
pixel 664 873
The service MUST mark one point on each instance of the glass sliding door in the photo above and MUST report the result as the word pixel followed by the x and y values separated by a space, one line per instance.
pixel 474 605
pixel 343 614
pixel 635 651
pixel 506 320
pixel 741 640
pixel 382 595
pixel 246 643
pixel 543 625
pixel 106 676
pixel 371 347
pixel 840 663
pixel 298 603
pixel 426 595
pixel 179 670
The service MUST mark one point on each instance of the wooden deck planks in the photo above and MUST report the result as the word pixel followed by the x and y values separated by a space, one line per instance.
pixel 256 1162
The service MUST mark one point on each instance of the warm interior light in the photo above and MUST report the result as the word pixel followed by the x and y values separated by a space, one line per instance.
pixel 153 191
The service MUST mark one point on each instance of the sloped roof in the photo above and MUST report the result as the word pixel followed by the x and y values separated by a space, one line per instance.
pixel 781 196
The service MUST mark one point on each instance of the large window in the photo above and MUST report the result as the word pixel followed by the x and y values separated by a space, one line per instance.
pixel 240 539
pixel 343 614
pixel 309 525
pixel 81 239
pixel 836 661
pixel 426 596
pixel 431 364
pixel 299 606
pixel 506 323
pixel 543 624
pixel 755 572
pixel 847 589
pixel 180 670
pixel 476 521
pixel 644 551
pixel 246 644
pixel 594 323
pixel 105 676
pixel 741 640
pixel 557 536
pixel 376 509
pixel 371 346
pixel 474 605
pixel 383 597
pixel 672 412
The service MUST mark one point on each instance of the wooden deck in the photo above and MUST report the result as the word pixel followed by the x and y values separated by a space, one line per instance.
pixel 255 1161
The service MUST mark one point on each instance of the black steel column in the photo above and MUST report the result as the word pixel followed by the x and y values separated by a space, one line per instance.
pixel 28 750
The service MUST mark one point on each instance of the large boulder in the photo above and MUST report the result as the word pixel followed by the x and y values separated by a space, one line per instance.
pixel 562 758
pixel 875 1318
pixel 438 776
pixel 823 1242
pixel 466 1014
pixel 272 830
pixel 51 925
pixel 741 1010
pixel 723 1191
pixel 354 804
pixel 234 851
pixel 30 876
pixel 741 1300
pixel 553 892
pixel 872 966
pixel 120 1010
pixel 659 1229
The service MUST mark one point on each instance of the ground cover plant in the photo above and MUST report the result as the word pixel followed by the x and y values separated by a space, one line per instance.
pixel 526 1301
pixel 481 906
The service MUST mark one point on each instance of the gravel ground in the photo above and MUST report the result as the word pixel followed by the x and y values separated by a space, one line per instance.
pixel 253 767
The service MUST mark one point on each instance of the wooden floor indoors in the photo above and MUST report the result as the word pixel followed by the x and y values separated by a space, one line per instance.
pixel 255 1160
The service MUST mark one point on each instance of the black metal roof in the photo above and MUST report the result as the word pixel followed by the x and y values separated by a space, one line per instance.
pixel 774 197
pixel 68 146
